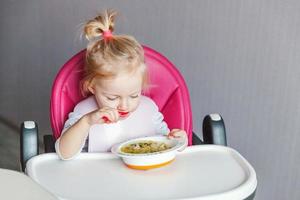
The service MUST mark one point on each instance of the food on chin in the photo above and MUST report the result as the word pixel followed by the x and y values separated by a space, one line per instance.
pixel 143 147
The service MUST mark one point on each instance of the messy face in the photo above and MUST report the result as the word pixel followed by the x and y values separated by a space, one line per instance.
pixel 122 92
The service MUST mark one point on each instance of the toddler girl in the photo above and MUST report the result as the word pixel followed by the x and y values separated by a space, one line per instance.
pixel 116 110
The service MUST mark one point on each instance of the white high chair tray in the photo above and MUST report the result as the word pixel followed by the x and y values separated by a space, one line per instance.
pixel 204 172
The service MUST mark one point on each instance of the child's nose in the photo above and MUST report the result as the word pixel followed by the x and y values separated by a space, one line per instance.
pixel 123 105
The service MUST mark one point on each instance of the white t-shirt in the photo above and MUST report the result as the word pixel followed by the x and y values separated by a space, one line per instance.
pixel 146 120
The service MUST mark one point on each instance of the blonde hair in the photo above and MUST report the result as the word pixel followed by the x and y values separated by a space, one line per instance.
pixel 106 57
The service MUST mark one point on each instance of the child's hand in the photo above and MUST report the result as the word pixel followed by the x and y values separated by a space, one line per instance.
pixel 103 115
pixel 180 135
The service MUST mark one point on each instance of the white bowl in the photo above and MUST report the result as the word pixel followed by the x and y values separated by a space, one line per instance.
pixel 148 160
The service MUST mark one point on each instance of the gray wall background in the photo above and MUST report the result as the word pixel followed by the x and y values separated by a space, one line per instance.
pixel 239 58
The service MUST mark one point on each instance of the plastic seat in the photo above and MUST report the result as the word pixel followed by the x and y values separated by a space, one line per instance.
pixel 167 89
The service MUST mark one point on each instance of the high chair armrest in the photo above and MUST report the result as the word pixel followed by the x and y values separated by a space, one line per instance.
pixel 29 143
pixel 214 130
pixel 49 143
pixel 196 140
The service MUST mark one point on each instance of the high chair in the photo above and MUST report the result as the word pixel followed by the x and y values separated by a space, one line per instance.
pixel 168 90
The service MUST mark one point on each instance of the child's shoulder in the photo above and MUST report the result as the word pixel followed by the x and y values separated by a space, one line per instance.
pixel 87 105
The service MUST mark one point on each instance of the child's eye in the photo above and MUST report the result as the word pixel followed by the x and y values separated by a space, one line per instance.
pixel 134 96
pixel 112 99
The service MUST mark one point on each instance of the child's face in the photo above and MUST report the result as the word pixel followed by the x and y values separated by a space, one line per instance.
pixel 122 92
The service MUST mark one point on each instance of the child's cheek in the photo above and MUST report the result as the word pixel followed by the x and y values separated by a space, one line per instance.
pixel 135 104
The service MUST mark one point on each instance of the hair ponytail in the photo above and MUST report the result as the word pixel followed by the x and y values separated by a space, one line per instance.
pixel 107 54
pixel 96 27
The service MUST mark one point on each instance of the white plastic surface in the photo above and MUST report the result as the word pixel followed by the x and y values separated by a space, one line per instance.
pixel 204 172
pixel 15 185
pixel 215 117
pixel 29 124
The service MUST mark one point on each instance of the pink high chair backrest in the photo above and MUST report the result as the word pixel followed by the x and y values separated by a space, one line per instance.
pixel 168 90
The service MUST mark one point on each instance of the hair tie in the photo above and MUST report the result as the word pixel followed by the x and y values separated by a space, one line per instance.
pixel 107 34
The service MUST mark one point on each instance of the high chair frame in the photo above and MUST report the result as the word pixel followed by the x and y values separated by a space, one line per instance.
pixel 172 98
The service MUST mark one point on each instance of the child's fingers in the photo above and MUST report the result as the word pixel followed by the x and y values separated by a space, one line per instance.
pixel 105 119
pixel 179 135
pixel 115 114
pixel 109 115
pixel 176 133
pixel 173 135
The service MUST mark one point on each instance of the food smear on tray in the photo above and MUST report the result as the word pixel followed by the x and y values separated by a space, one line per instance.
pixel 143 147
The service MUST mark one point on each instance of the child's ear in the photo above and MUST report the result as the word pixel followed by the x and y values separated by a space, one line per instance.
pixel 91 89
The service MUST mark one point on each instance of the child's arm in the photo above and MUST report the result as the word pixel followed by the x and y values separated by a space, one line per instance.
pixel 71 141
pixel 162 128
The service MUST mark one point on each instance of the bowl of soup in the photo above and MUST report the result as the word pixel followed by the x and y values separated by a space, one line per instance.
pixel 147 152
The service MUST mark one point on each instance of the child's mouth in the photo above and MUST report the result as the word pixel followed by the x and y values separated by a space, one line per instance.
pixel 123 114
